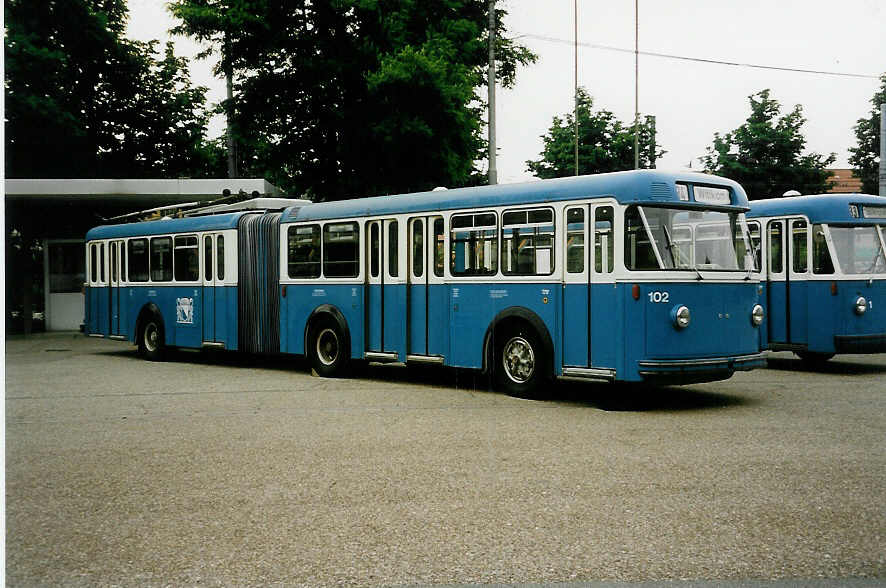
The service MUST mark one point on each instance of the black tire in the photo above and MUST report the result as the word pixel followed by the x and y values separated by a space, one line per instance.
pixel 812 357
pixel 520 368
pixel 151 338
pixel 328 349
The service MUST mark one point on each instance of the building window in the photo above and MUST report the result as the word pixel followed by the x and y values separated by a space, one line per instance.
pixel 67 267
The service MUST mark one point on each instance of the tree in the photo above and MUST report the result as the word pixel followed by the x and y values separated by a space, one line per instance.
pixel 82 101
pixel 605 144
pixel 865 157
pixel 354 97
pixel 765 156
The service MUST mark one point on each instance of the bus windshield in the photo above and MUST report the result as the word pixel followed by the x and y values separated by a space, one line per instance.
pixel 860 249
pixel 670 238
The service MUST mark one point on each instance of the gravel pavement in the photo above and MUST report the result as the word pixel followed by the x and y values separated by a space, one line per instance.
pixel 222 469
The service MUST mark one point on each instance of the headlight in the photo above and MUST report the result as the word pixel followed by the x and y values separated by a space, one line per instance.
pixel 680 316
pixel 757 315
pixel 861 305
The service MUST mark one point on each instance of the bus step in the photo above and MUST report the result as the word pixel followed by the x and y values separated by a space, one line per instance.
pixel 213 345
pixel 117 337
pixel 431 359
pixel 381 357
pixel 588 374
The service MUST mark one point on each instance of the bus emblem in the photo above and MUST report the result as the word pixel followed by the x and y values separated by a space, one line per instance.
pixel 184 311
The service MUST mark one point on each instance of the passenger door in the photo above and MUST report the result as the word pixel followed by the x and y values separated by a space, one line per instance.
pixel 117 266
pixel 210 282
pixel 798 283
pixel 426 297
pixel 589 298
pixel 777 309
pixel 386 293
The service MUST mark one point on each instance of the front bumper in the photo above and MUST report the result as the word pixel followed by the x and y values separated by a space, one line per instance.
pixel 690 371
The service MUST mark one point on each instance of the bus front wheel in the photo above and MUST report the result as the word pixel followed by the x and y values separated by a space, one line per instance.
pixel 519 363
pixel 151 342
pixel 327 349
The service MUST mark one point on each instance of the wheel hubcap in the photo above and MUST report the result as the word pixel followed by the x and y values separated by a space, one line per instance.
pixel 151 337
pixel 327 346
pixel 519 360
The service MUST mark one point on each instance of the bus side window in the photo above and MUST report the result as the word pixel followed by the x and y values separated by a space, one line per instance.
pixel 161 259
pixel 754 232
pixel 775 248
pixel 821 256
pixel 341 250
pixel 393 259
pixel 799 251
pixel 186 259
pixel 603 240
pixel 418 248
pixel 575 240
pixel 138 260
pixel 220 254
pixel 303 259
pixel 101 261
pixel 93 263
pixel 527 242
pixel 439 248
pixel 374 245
pixel 473 244
pixel 207 258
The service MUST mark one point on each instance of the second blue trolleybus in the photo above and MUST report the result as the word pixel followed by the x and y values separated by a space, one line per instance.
pixel 632 276
pixel 824 272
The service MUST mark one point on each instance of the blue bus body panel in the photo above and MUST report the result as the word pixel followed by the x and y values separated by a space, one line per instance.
pixel 576 308
pixel 395 320
pixel 303 299
pixel 418 319
pixel 606 316
pixel 799 301
pixel 474 306
pixel 720 322
pixel 438 320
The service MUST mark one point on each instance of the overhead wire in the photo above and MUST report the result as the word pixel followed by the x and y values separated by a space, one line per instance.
pixel 696 59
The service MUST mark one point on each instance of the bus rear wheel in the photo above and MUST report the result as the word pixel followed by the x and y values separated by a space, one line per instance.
pixel 520 363
pixel 151 342
pixel 327 349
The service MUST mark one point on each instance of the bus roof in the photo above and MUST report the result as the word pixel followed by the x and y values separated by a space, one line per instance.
pixel 216 222
pixel 823 208
pixel 630 187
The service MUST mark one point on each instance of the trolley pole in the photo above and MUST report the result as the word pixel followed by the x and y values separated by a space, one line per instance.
pixel 493 172
pixel 883 149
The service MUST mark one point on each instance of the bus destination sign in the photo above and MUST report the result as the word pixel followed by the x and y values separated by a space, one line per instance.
pixel 710 195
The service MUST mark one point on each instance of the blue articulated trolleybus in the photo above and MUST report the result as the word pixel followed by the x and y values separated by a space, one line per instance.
pixel 632 276
pixel 824 272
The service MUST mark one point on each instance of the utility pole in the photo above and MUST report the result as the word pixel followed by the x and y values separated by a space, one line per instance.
pixel 229 112
pixel 575 85
pixel 652 143
pixel 493 172
pixel 636 84
pixel 883 149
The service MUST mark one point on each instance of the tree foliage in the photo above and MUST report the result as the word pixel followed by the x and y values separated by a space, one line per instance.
pixel 83 101
pixel 765 155
pixel 354 97
pixel 865 157
pixel 605 144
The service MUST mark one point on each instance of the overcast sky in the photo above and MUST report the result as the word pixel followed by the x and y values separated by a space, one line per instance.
pixel 691 101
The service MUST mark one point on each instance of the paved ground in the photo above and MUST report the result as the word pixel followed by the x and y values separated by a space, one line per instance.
pixel 220 469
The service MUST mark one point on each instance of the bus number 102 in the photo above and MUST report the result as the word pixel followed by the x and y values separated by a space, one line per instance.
pixel 659 296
